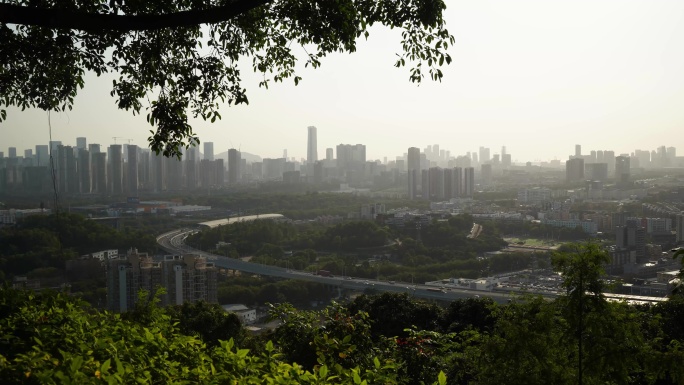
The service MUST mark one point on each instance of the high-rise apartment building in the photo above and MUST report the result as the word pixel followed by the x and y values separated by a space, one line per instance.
pixel 42 155
pixel 157 173
pixel 65 164
pixel 84 168
pixel 191 168
pixel 578 150
pixel 12 152
pixel 413 163
pixel 220 170
pixel 574 170
pixel 81 143
pixel 132 176
pixel 99 177
pixel 457 189
pixel 234 163
pixel 174 174
pixel 609 157
pixel 632 238
pixel 425 184
pixel 94 148
pixel 187 278
pixel 209 151
pixel 413 183
pixel 644 158
pixel 484 155
pixel 622 170
pixel 351 161
pixel 671 155
pixel 349 155
pixel 486 173
pixel 53 148
pixel 469 182
pixel 596 171
pixel 115 169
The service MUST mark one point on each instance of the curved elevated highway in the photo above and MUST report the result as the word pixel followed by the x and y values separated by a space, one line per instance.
pixel 174 243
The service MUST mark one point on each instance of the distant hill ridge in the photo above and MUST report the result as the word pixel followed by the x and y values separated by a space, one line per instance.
pixel 251 158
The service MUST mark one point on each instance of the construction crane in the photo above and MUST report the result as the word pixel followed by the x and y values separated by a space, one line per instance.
pixel 116 137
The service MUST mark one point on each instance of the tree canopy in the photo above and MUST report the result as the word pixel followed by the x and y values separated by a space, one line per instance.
pixel 179 59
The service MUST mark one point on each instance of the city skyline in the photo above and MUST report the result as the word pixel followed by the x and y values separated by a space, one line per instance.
pixel 536 76
pixel 491 154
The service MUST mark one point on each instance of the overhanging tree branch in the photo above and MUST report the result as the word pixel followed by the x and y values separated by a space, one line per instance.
pixel 94 22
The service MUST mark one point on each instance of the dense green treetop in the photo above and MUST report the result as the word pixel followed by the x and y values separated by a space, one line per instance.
pixel 179 59
pixel 50 338
pixel 47 241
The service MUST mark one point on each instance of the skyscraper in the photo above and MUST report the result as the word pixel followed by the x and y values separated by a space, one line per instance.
pixel 132 175
pixel 12 152
pixel 574 170
pixel 116 167
pixel 312 146
pixel 233 166
pixel 84 168
pixel 191 168
pixel 486 171
pixel 209 151
pixel 622 170
pixel 413 167
pixel 158 173
pixel 99 172
pixel 94 148
pixel 42 155
pixel 53 148
pixel 469 182
pixel 80 143
pixel 457 180
pixel 28 154
pixel 578 150
pixel 484 155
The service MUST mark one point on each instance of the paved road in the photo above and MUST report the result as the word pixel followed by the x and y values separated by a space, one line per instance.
pixel 173 242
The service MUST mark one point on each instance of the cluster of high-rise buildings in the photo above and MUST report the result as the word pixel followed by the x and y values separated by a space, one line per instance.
pixel 600 165
pixel 432 173
pixel 118 169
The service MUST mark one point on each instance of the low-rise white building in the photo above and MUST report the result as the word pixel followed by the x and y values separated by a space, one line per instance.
pixel 247 316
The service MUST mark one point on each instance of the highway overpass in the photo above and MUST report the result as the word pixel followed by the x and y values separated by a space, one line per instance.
pixel 174 243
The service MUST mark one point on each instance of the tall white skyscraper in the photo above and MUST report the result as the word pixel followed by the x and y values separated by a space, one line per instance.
pixel 312 146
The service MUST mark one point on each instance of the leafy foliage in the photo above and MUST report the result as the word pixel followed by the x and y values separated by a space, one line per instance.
pixel 50 338
pixel 172 74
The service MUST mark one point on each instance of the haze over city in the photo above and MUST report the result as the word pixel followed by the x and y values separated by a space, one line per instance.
pixel 534 76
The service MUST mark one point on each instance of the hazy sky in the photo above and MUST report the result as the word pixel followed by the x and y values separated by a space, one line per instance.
pixel 535 76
